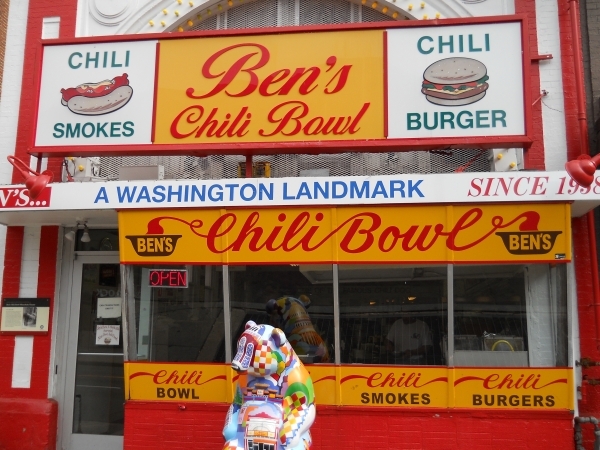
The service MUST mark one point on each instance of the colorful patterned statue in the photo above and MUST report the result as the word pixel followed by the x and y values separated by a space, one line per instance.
pixel 293 318
pixel 274 407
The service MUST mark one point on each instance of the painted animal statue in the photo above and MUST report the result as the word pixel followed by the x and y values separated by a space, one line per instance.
pixel 293 318
pixel 274 404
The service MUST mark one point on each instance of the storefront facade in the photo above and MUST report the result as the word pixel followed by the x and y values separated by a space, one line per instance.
pixel 433 310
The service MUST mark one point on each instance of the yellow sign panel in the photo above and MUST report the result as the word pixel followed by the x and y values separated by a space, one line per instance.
pixel 384 234
pixel 188 382
pixel 358 385
pixel 513 388
pixel 259 88
pixel 394 386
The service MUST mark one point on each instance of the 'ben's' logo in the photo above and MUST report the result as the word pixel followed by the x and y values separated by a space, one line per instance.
pixel 154 245
pixel 154 242
pixel 529 240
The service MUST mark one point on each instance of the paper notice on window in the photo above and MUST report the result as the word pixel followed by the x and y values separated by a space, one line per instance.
pixel 107 334
pixel 109 307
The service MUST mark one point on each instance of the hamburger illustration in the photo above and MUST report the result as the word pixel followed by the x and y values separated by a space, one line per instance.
pixel 455 81
pixel 93 99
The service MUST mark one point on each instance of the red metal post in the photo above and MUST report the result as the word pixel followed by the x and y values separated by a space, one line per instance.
pixel 248 166
pixel 585 149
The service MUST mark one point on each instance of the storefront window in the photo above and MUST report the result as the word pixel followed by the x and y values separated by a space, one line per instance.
pixel 510 315
pixel 296 298
pixel 100 240
pixel 392 314
pixel 504 315
pixel 175 323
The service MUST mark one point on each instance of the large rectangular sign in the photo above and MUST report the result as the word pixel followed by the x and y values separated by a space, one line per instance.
pixel 423 234
pixel 455 81
pixel 403 85
pixel 97 94
pixel 377 386
pixel 254 89
pixel 400 189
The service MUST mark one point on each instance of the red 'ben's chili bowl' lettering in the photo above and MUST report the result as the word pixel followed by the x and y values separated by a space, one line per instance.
pixel 283 81
pixel 495 381
pixel 242 70
pixel 175 378
pixel 363 231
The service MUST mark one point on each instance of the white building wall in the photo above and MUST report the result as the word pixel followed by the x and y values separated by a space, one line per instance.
pixel 553 105
pixel 30 261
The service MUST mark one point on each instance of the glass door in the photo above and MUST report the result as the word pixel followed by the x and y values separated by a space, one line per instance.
pixel 94 394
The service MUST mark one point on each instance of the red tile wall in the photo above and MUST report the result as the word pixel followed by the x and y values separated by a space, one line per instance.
pixel 158 426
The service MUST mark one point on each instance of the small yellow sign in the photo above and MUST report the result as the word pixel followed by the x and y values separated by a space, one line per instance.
pixel 257 89
pixel 379 386
pixel 183 382
pixel 513 388
pixel 383 234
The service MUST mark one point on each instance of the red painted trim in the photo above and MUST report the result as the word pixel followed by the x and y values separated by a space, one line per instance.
pixel 346 205
pixel 39 63
pixel 321 262
pixel 24 333
pixel 385 85
pixel 274 148
pixel 155 92
pixel 11 279
pixel 292 29
pixel 67 11
pixel 249 167
pixel 180 363
pixel 527 106
pixel 363 366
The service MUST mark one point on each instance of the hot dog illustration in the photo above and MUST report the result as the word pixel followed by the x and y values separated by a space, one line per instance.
pixel 94 99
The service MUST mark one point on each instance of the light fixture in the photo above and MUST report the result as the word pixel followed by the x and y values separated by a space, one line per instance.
pixel 582 169
pixel 86 234
pixel 70 235
pixel 412 299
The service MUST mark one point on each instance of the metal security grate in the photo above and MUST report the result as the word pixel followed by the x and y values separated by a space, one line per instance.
pixel 331 11
pixel 207 24
pixel 258 14
pixel 343 164
pixel 270 13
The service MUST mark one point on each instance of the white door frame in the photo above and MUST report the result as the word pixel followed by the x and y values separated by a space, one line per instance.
pixel 62 386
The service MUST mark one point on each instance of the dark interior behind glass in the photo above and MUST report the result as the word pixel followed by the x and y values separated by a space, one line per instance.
pixel 180 324
pixel 290 298
pixel 389 312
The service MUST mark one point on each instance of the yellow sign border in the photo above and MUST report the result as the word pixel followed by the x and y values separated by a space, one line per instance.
pixel 382 234
pixel 548 389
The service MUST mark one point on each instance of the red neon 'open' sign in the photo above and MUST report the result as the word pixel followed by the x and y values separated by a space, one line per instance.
pixel 168 278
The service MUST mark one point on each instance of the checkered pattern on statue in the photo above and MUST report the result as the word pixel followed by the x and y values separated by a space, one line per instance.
pixel 295 409
pixel 264 363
